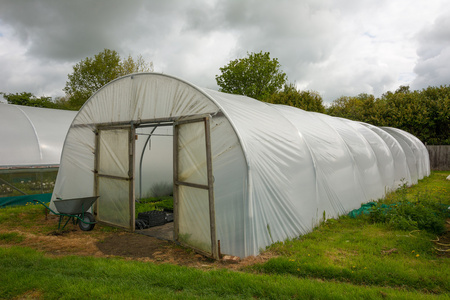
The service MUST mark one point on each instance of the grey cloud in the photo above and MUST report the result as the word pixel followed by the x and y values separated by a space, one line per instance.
pixel 432 67
pixel 67 30
pixel 298 33
pixel 334 47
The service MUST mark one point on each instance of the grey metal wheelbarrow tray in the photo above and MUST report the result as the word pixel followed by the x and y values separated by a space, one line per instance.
pixel 74 206
pixel 75 209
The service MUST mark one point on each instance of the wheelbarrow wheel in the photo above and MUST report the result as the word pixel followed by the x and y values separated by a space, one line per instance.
pixel 88 218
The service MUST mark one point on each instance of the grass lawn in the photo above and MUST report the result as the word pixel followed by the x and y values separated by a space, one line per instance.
pixel 364 258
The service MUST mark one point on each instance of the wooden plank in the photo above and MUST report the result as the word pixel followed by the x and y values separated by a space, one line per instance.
pixel 199 251
pixel 145 122
pixel 112 225
pixel 192 119
pixel 212 211
pixel 131 161
pixel 96 166
pixel 113 176
pixel 193 185
pixel 175 185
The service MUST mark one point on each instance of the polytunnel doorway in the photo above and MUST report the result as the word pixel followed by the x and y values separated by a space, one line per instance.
pixel 154 180
pixel 193 183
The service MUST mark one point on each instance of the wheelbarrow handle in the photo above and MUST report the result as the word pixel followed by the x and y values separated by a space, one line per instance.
pixel 39 201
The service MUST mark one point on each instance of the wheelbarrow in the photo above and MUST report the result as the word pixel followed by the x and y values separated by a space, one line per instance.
pixel 74 209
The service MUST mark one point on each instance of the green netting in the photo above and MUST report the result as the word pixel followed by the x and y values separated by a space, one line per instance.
pixel 364 209
pixel 23 200
pixel 387 208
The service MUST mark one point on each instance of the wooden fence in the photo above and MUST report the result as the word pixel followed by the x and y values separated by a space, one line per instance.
pixel 439 157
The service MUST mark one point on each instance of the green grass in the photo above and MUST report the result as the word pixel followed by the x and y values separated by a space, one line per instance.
pixel 25 270
pixel 11 237
pixel 341 259
pixel 30 217
pixel 353 251
pixel 14 215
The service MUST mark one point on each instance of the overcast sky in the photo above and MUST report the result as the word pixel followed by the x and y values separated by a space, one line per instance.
pixel 333 47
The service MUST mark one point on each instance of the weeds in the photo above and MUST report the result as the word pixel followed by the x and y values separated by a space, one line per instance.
pixel 422 212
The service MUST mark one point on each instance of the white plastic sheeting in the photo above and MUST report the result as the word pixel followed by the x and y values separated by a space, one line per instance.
pixel 154 147
pixel 278 170
pixel 32 136
pixel 415 151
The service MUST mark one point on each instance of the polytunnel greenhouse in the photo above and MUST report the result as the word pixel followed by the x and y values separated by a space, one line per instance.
pixel 243 173
pixel 31 143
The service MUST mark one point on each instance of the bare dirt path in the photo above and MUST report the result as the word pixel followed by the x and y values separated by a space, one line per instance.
pixel 106 242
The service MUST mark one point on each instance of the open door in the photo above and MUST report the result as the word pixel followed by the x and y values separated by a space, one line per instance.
pixel 193 186
pixel 114 180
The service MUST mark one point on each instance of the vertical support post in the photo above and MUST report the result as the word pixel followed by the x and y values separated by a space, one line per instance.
pixel 175 184
pixel 131 150
pixel 142 159
pixel 212 211
pixel 42 182
pixel 96 166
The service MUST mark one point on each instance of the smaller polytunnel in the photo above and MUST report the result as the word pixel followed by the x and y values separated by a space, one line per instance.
pixel 30 149
pixel 32 136
pixel 244 172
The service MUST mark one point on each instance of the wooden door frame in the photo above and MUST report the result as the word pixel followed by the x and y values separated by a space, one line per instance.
pixel 131 161
pixel 206 119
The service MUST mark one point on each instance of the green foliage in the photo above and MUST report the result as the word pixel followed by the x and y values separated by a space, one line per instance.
pixel 425 114
pixel 256 76
pixel 154 203
pixel 130 65
pixel 363 107
pixel 92 73
pixel 28 99
pixel 423 215
pixel 424 211
pixel 306 100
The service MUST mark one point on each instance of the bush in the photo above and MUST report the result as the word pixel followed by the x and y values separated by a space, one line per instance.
pixel 404 215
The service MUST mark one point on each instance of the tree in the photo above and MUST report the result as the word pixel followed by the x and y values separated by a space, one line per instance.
pixel 257 76
pixel 363 107
pixel 306 100
pixel 28 99
pixel 129 65
pixel 425 114
pixel 92 73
